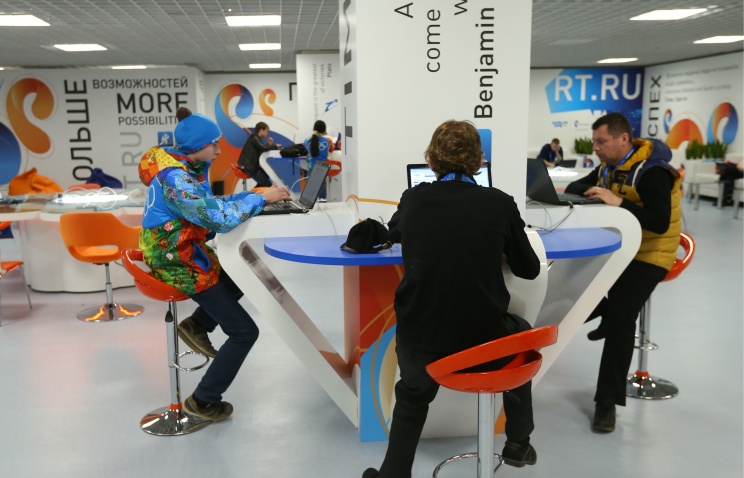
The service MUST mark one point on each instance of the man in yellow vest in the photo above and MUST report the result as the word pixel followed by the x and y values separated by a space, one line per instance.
pixel 635 175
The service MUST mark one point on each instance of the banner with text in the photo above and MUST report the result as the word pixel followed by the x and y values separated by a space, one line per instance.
pixel 67 122
pixel 696 100
pixel 565 103
pixel 318 91
pixel 238 101
pixel 434 61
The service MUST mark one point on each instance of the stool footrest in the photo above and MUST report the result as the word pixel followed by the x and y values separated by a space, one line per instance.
pixel 648 387
pixel 498 459
pixel 171 421
pixel 190 369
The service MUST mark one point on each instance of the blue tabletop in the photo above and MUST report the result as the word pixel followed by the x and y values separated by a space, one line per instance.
pixel 327 250
pixel 559 244
pixel 580 242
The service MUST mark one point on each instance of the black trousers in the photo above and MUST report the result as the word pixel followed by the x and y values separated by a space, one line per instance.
pixel 619 311
pixel 416 390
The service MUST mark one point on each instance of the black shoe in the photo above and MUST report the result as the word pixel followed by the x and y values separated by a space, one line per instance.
pixel 214 412
pixel 599 333
pixel 604 418
pixel 515 454
pixel 370 473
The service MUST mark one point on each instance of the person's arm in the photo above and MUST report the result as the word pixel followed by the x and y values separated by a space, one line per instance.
pixel 520 256
pixel 393 231
pixel 581 185
pixel 186 198
pixel 655 190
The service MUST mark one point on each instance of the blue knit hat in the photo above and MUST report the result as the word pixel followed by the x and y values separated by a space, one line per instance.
pixel 195 132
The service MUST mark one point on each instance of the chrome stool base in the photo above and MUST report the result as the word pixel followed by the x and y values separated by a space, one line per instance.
pixel 649 388
pixel 498 459
pixel 110 312
pixel 171 421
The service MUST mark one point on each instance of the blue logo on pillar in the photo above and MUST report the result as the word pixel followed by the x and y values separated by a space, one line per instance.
pixel 485 136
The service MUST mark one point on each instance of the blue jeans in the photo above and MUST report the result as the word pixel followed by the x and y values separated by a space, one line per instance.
pixel 219 305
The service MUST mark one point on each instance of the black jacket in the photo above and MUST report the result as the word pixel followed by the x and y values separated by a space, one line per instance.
pixel 252 150
pixel 454 236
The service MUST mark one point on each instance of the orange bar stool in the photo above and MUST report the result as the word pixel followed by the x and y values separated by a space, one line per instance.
pixel 171 420
pixel 523 367
pixel 241 173
pixel 99 238
pixel 334 171
pixel 6 267
pixel 641 384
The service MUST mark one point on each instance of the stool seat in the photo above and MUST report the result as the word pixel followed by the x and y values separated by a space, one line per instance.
pixel 171 420
pixel 526 361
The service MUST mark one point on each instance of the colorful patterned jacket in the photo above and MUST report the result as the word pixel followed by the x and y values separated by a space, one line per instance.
pixel 179 214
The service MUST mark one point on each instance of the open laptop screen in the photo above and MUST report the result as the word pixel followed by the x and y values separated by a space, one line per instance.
pixel 421 173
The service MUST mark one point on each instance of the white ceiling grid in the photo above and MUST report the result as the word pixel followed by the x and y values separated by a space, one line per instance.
pixel 565 33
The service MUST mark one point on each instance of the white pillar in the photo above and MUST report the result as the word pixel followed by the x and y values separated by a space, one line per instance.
pixel 407 67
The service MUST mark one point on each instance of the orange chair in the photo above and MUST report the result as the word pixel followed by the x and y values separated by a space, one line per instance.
pixel 522 368
pixel 99 238
pixel 641 384
pixel 170 420
pixel 86 186
pixel 334 171
pixel 240 173
pixel 7 267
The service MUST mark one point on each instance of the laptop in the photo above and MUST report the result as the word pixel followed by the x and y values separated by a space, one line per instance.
pixel 540 187
pixel 422 173
pixel 567 163
pixel 308 198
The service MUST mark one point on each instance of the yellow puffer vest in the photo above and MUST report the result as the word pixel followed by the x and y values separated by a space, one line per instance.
pixel 657 249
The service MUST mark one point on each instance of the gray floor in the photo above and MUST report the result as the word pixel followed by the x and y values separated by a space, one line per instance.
pixel 72 393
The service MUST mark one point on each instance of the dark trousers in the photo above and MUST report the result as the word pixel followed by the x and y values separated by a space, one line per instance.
pixel 416 390
pixel 262 178
pixel 729 173
pixel 619 311
pixel 219 305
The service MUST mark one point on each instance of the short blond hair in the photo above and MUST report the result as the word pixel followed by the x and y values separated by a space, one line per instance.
pixel 455 147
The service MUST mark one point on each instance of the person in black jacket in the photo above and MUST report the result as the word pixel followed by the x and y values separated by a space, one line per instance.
pixel 253 148
pixel 454 236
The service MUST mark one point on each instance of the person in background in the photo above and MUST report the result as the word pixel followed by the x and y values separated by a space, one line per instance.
pixel 729 173
pixel 551 153
pixel 252 150
pixel 453 296
pixel 319 146
pixel 180 215
pixel 636 176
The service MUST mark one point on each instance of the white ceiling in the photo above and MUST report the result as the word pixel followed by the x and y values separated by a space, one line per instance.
pixel 565 33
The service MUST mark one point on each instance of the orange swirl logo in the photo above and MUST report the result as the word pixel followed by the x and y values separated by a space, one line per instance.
pixel 42 107
pixel 267 96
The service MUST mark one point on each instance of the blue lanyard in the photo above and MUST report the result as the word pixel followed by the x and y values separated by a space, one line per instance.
pixel 453 177
pixel 609 168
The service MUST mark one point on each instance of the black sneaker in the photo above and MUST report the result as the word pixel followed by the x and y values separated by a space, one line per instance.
pixel 195 336
pixel 370 473
pixel 214 411
pixel 516 454
pixel 604 418
pixel 599 333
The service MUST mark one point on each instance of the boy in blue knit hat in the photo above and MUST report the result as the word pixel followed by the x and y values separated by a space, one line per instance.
pixel 181 214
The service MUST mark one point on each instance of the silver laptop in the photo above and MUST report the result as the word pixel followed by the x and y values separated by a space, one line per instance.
pixel 309 195
pixel 422 173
